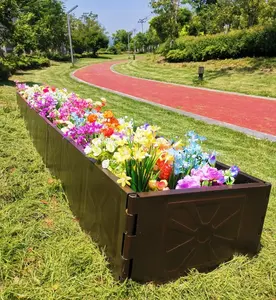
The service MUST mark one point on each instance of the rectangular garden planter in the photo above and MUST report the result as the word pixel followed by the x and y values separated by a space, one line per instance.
pixel 155 236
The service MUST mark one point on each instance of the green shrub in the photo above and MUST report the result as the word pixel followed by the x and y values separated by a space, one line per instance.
pixel 88 55
pixel 57 56
pixel 26 62
pixel 254 42
pixel 165 47
pixel 6 69
pixel 67 57
pixel 10 63
pixel 103 51
pixel 113 50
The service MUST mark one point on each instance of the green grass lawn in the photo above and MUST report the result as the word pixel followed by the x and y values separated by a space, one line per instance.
pixel 254 76
pixel 45 255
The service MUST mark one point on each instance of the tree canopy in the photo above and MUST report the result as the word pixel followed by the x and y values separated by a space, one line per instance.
pixel 87 34
pixel 196 17
pixel 41 25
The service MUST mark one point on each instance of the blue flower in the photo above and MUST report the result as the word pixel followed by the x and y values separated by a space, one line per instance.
pixel 234 171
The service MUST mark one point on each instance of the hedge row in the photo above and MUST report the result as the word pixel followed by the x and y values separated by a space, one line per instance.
pixel 11 63
pixel 67 57
pixel 254 42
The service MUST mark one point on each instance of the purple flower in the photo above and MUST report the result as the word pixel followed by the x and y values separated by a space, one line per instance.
pixel 212 159
pixel 234 171
pixel 21 86
pixel 188 182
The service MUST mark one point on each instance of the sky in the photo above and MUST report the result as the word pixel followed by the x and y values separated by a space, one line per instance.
pixel 114 14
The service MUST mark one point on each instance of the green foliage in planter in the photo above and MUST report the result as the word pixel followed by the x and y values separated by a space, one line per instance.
pixel 254 42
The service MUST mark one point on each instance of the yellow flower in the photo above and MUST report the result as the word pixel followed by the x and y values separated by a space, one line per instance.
pixel 178 145
pixel 152 185
pixel 121 142
pixel 122 154
pixel 139 154
pixel 162 143
pixel 123 179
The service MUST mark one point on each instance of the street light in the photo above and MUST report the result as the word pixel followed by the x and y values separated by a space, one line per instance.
pixel 69 33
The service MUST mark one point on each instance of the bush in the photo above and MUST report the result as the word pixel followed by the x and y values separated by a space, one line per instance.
pixel 254 42
pixel 88 55
pixel 6 69
pixel 67 57
pixel 112 50
pixel 57 56
pixel 10 63
pixel 26 62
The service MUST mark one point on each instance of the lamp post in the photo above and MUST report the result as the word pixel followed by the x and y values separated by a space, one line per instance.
pixel 69 33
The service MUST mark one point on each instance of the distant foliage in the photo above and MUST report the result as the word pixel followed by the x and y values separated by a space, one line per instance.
pixel 253 42
pixel 11 63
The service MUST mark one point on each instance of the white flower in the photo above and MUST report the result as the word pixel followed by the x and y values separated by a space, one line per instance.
pixel 110 146
pixel 96 150
pixel 87 150
pixel 69 124
pixel 65 129
pixel 105 164
pixel 97 142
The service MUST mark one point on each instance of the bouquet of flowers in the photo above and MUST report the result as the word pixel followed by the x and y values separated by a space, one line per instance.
pixel 137 155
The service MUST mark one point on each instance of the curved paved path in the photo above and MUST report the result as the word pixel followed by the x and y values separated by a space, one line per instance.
pixel 249 114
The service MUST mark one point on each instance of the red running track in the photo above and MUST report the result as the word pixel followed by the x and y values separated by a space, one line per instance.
pixel 244 111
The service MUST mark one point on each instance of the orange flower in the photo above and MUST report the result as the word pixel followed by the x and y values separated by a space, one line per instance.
pixel 108 132
pixel 161 185
pixel 108 114
pixel 92 118
pixel 155 185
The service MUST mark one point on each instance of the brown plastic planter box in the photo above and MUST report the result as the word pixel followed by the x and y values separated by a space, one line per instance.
pixel 156 236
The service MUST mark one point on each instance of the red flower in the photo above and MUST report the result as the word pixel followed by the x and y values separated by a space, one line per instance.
pixel 46 90
pixel 108 132
pixel 53 88
pixel 165 169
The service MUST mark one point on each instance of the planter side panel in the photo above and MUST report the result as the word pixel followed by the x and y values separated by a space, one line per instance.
pixel 194 230
pixel 96 200
pixel 36 126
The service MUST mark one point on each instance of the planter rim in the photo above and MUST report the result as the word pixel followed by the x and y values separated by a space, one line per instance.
pixel 257 182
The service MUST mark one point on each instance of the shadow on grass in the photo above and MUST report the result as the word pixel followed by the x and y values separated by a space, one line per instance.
pixel 103 57
pixel 12 83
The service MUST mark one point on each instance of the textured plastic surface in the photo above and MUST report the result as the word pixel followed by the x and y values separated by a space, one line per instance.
pixel 156 236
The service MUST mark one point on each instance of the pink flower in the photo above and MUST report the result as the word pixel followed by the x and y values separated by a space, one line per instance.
pixel 207 173
pixel 188 182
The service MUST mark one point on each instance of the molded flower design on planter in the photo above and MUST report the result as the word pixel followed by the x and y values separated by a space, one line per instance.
pixel 199 231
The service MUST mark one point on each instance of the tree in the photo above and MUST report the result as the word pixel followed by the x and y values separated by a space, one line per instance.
pixel 87 34
pixel 8 11
pixel 198 5
pixel 33 24
pixel 120 39
pixel 152 39
pixel 170 19
pixel 165 23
